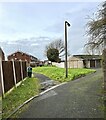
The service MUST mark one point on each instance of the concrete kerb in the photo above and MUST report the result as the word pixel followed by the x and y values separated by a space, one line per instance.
pixel 27 101
pixel 38 96
pixel 52 88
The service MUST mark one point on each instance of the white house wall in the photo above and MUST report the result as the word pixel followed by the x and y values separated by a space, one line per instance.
pixel 61 65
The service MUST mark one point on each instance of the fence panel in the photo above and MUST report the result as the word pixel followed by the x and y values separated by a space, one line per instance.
pixel 18 71
pixel 8 76
pixel 24 69
pixel 12 73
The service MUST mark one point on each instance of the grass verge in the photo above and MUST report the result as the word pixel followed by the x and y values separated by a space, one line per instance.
pixel 19 95
pixel 58 74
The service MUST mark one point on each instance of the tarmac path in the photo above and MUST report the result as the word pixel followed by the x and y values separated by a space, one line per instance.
pixel 80 98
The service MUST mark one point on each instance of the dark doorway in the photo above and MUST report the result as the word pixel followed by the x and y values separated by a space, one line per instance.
pixel 98 63
pixel 84 63
pixel 92 63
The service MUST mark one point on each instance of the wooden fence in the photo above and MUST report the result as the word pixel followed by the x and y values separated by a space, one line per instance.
pixel 11 73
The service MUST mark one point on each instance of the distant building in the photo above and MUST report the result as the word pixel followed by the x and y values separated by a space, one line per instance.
pixel 22 56
pixel 84 61
pixel 47 62
pixel 2 56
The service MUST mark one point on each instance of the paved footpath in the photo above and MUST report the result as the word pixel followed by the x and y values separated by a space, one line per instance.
pixel 45 81
pixel 76 99
pixel 42 78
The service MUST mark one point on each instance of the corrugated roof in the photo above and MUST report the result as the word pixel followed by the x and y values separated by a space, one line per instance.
pixel 88 57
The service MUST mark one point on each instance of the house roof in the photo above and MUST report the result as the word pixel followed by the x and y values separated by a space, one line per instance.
pixel 23 53
pixel 88 57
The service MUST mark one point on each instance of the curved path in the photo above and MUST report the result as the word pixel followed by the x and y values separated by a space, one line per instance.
pixel 76 99
pixel 41 77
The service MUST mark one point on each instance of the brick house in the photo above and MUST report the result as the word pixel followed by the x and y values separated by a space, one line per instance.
pixel 85 61
pixel 22 56
pixel 2 56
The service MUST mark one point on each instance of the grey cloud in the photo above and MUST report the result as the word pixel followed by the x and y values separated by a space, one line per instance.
pixel 34 45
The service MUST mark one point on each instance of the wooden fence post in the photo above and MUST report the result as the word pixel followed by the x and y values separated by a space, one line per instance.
pixel 21 69
pixel 2 82
pixel 14 72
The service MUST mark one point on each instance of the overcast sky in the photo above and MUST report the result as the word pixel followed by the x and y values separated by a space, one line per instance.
pixel 30 26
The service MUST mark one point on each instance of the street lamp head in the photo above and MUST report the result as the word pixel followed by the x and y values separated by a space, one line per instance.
pixel 67 23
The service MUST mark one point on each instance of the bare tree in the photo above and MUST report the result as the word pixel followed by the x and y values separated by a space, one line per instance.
pixel 97 30
pixel 57 44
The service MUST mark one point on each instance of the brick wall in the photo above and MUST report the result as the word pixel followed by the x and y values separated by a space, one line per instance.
pixel 19 56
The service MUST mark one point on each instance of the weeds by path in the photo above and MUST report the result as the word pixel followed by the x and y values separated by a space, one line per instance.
pixel 19 95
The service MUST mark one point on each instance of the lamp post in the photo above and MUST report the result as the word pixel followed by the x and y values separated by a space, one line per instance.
pixel 66 67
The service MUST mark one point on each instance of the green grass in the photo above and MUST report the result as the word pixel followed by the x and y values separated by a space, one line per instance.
pixel 19 95
pixel 30 86
pixel 58 74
